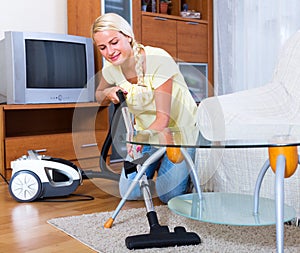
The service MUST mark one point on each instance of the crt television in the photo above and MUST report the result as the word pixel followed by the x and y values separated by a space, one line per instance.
pixel 46 68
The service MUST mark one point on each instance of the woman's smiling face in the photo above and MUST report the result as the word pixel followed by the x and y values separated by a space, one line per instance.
pixel 114 46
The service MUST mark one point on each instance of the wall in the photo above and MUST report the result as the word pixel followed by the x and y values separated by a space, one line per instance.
pixel 33 15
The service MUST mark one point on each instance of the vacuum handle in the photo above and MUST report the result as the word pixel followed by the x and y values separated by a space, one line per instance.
pixel 125 112
pixel 122 98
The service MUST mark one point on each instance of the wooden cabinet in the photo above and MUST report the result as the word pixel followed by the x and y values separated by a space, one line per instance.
pixel 186 39
pixel 73 132
pixel 165 36
pixel 192 41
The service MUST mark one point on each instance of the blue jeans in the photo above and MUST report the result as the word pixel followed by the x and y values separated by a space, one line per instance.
pixel 172 178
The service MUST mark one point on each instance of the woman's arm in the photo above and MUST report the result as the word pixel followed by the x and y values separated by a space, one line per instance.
pixel 106 93
pixel 163 99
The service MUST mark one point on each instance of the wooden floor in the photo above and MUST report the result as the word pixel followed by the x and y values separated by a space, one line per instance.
pixel 24 228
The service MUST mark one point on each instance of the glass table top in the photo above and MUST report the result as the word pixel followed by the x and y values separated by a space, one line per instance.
pixel 218 207
pixel 228 208
pixel 255 136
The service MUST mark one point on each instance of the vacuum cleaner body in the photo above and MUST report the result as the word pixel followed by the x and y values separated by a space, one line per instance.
pixel 36 176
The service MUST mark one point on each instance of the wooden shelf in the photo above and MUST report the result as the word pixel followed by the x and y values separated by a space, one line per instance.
pixel 73 132
pixel 174 17
pixel 48 106
pixel 175 7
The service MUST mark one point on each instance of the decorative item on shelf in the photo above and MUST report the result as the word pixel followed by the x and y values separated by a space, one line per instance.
pixel 153 6
pixel 148 5
pixel 164 6
pixel 144 7
pixel 185 7
pixel 190 14
pixel 145 4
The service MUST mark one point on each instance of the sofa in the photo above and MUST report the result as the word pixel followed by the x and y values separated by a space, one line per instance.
pixel 241 115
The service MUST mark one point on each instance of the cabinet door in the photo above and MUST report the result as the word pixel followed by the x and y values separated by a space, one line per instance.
pixel 159 32
pixel 192 41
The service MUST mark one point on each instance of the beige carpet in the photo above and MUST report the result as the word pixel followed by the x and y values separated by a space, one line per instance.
pixel 89 230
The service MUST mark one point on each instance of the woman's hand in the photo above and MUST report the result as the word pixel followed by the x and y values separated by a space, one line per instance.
pixel 107 93
pixel 111 94
pixel 132 150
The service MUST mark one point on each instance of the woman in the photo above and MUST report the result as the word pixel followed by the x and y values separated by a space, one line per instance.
pixel 156 94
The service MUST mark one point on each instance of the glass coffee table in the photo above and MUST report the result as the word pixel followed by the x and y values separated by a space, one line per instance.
pixel 229 208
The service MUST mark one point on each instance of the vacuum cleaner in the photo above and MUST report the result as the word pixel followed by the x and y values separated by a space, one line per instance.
pixel 36 176
pixel 159 236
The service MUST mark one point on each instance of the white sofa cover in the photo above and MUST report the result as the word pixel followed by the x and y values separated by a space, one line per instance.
pixel 241 115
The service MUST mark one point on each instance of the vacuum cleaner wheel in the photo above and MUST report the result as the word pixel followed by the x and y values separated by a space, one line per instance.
pixel 25 186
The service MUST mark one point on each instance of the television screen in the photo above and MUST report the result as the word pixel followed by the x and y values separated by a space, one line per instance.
pixel 55 64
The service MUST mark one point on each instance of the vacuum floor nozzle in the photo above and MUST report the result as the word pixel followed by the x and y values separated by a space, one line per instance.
pixel 161 238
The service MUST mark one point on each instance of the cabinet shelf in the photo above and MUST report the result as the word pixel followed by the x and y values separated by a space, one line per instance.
pixel 183 39
pixel 70 131
pixel 176 6
pixel 47 106
pixel 174 17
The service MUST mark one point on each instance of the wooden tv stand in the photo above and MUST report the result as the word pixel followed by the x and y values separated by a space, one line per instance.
pixel 73 132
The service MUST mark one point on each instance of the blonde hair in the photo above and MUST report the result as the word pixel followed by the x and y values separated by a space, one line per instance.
pixel 113 21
